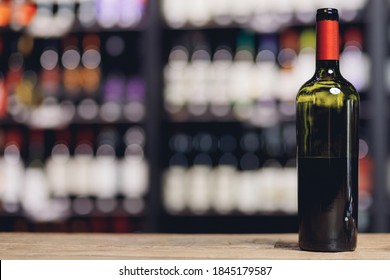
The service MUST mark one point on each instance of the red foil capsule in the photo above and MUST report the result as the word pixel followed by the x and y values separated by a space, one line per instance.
pixel 328 40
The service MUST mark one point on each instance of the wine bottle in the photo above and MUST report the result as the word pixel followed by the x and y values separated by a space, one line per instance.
pixel 327 148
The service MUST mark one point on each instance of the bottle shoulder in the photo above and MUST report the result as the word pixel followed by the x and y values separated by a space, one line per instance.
pixel 330 88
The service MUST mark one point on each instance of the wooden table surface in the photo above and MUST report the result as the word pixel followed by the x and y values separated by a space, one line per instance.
pixel 176 246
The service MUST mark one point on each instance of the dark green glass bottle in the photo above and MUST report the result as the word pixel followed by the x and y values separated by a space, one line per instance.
pixel 327 148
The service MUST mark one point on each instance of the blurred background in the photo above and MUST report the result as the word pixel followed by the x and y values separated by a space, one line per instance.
pixel 173 115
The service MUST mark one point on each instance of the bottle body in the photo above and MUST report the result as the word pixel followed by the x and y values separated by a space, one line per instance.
pixel 327 158
pixel 327 149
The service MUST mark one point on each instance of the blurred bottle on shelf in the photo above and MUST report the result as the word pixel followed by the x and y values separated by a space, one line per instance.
pixel 287 59
pixel 112 13
pixel 240 87
pixel 23 12
pixel 219 78
pixel 86 13
pixel 80 183
pixel 12 170
pixel 3 97
pixel 36 199
pixel 365 184
pixel 134 171
pixel 50 74
pixel 225 189
pixel 70 60
pixel 105 165
pixel 198 188
pixel 5 13
pixel 197 76
pixel 264 76
pixel 134 110
pixel 52 18
pixel 57 165
pixel 176 88
pixel 306 55
pixel 354 63
pixel 175 12
pixel 91 65
pixel 113 96
pixel 200 13
pixel 174 186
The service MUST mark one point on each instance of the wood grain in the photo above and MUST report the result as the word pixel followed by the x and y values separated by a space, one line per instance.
pixel 176 246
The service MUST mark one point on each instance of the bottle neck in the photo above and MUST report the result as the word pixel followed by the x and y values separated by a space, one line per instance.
pixel 327 50
pixel 327 69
